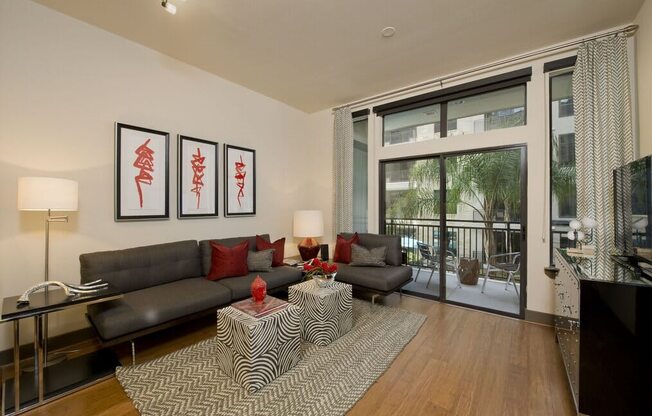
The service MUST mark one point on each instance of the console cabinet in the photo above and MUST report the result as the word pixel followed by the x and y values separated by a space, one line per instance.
pixel 603 326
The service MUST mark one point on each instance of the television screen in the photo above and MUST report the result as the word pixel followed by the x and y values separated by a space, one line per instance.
pixel 633 208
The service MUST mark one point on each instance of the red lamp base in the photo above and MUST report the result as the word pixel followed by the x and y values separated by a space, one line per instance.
pixel 308 248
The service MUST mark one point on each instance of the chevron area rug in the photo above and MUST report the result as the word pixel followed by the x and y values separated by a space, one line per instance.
pixel 327 381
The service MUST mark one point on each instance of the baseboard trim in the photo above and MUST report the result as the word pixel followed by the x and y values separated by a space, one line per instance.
pixel 540 317
pixel 56 342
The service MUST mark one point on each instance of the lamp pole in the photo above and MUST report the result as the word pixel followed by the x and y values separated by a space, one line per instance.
pixel 50 218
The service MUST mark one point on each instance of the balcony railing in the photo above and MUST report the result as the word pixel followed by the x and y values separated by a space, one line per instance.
pixel 466 238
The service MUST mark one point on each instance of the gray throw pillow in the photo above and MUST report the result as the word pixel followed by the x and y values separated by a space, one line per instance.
pixel 374 257
pixel 260 261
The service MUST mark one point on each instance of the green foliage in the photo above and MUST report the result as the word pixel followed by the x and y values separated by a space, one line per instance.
pixel 482 181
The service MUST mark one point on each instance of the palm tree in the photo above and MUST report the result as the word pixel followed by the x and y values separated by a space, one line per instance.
pixel 481 181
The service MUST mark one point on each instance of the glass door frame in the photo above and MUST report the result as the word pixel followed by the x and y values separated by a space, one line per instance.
pixel 443 234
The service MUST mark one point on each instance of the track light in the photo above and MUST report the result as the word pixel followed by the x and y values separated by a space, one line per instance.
pixel 169 7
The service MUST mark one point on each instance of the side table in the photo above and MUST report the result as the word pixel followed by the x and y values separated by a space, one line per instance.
pixel 44 384
pixel 255 351
pixel 326 312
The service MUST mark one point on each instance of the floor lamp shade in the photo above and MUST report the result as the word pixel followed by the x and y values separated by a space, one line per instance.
pixel 308 224
pixel 43 194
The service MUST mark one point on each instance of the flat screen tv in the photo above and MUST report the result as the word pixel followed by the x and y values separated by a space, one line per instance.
pixel 633 209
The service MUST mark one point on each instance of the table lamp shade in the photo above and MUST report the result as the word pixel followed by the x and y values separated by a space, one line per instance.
pixel 42 194
pixel 308 223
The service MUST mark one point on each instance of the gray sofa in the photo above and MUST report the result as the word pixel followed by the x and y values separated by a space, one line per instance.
pixel 164 285
pixel 379 280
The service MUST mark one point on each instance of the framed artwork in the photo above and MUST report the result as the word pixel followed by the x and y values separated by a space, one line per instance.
pixel 239 181
pixel 141 173
pixel 197 185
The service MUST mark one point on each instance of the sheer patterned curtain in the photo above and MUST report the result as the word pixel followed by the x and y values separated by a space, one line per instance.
pixel 603 135
pixel 343 170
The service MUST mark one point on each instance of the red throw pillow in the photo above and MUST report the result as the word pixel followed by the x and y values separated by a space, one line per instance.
pixel 278 246
pixel 343 248
pixel 228 261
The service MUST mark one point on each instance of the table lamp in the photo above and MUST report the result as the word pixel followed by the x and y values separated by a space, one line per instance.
pixel 47 194
pixel 307 225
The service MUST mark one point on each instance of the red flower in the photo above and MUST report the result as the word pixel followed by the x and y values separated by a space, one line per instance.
pixel 315 262
pixel 307 267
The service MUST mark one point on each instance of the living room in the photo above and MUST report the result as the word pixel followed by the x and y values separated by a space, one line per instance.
pixel 275 79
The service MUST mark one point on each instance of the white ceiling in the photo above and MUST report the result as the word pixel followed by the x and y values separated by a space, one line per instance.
pixel 315 54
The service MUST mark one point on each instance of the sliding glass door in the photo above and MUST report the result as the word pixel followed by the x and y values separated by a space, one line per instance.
pixel 411 201
pixel 474 253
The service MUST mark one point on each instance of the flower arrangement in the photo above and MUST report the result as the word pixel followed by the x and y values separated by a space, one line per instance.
pixel 320 271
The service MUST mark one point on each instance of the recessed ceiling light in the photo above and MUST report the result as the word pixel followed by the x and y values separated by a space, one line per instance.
pixel 169 7
pixel 388 32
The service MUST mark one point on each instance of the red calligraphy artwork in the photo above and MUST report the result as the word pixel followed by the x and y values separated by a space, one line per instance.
pixel 198 167
pixel 145 162
pixel 239 176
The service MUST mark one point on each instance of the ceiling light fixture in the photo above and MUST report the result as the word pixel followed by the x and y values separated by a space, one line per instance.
pixel 169 7
pixel 388 32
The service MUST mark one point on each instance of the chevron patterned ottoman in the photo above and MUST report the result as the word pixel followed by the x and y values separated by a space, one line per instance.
pixel 326 312
pixel 253 351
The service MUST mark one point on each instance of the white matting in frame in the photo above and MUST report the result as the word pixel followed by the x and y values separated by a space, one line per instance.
pixel 141 173
pixel 239 181
pixel 198 178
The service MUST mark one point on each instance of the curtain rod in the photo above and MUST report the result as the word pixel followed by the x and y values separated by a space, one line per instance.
pixel 629 30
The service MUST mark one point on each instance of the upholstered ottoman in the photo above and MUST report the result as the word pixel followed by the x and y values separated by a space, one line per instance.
pixel 326 312
pixel 255 351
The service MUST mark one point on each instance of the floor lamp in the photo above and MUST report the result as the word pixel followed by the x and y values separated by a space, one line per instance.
pixel 47 194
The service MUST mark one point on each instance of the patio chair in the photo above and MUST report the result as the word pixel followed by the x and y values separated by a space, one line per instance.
pixel 511 265
pixel 430 260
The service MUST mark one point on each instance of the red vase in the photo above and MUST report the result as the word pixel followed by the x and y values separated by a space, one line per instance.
pixel 258 289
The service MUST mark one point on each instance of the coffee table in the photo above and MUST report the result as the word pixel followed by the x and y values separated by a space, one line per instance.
pixel 254 351
pixel 326 313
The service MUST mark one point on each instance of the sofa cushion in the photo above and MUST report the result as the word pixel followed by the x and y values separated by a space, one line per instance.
pixel 156 305
pixel 260 261
pixel 394 255
pixel 343 248
pixel 281 276
pixel 383 279
pixel 205 250
pixel 278 246
pixel 228 261
pixel 373 257
pixel 141 267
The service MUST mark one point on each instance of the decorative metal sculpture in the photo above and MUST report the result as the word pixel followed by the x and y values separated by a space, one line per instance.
pixel 68 288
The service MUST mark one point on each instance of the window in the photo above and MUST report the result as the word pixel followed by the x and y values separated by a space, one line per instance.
pixel 360 163
pixel 490 104
pixel 563 201
pixel 412 126
pixel 490 111
pixel 566 149
pixel 566 108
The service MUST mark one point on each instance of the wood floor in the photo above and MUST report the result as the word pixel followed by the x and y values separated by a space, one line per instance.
pixel 462 362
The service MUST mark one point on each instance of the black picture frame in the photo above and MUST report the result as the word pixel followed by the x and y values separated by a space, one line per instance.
pixel 140 201
pixel 239 193
pixel 209 178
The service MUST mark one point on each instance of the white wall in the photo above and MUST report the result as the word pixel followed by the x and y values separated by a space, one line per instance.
pixel 63 84
pixel 644 77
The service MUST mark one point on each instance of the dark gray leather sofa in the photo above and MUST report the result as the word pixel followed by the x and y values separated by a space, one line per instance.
pixel 164 284
pixel 379 280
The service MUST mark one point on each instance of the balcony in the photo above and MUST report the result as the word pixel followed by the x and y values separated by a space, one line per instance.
pixel 469 239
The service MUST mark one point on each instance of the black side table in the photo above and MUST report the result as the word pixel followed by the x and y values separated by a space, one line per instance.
pixel 58 379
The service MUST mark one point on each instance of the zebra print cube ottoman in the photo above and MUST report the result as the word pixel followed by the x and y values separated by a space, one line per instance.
pixel 255 351
pixel 326 312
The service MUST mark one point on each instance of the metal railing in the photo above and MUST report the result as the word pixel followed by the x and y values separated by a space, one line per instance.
pixel 466 238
